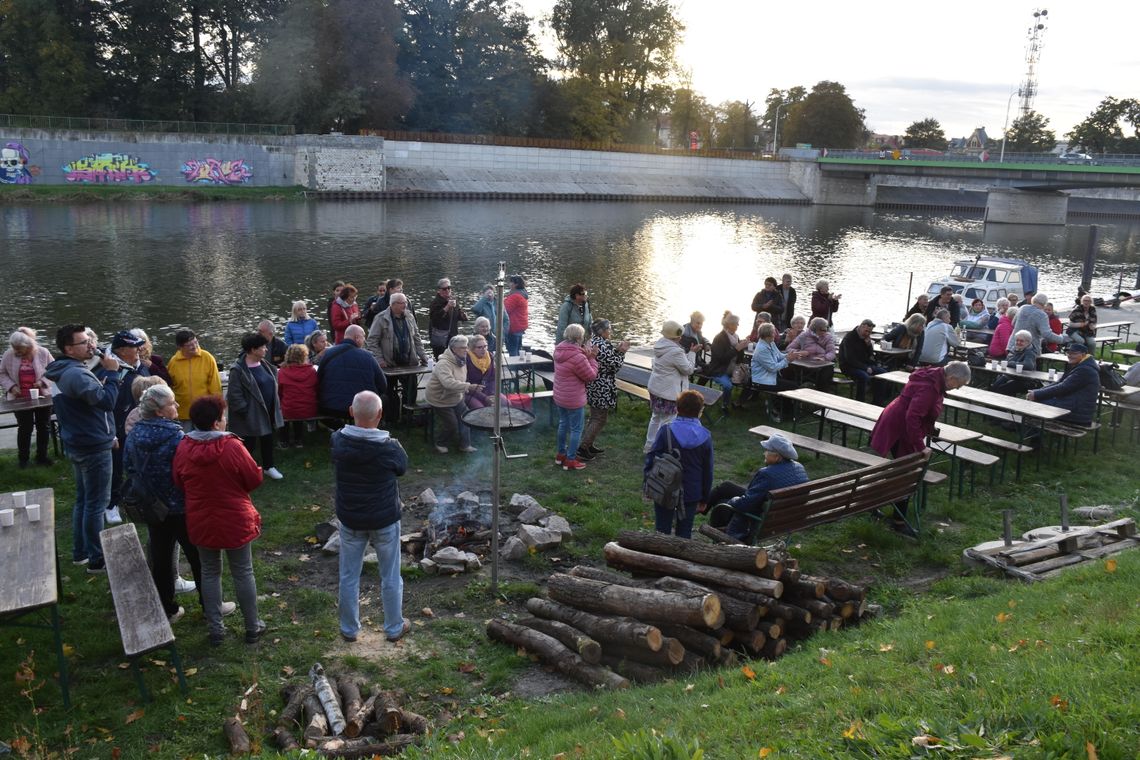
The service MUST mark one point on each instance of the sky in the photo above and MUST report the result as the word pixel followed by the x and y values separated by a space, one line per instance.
pixel 906 61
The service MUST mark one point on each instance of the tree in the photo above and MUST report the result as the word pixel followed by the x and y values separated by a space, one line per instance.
pixel 622 47
pixel 1102 130
pixel 927 133
pixel 737 126
pixel 826 118
pixel 1030 134
pixel 690 113
pixel 780 101
pixel 47 58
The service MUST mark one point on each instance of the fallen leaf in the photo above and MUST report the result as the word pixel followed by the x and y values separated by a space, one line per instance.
pixel 312 540
pixel 825 662
pixel 116 753
pixel 1060 704
pixel 948 670
pixel 21 745
pixel 781 689
pixel 1109 567
pixel 926 740
pixel 68 650
pixel 764 752
pixel 124 666
pixel 748 672
pixel 466 667
pixel 1003 617
pixel 446 690
pixel 158 663
pixel 689 687
pixel 930 644
pixel 619 714
pixel 1012 603
pixel 853 731
pixel 191 672
pixel 1091 750
pixel 426 612
pixel 886 647
pixel 134 716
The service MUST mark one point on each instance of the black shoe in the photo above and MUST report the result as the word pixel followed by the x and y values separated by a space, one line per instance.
pixel 97 569
pixel 44 461
pixel 585 455
pixel 595 450
pixel 216 639
pixel 23 464
pixel 252 637
pixel 903 528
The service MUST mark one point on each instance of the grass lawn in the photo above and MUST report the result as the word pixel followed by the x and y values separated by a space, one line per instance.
pixel 986 666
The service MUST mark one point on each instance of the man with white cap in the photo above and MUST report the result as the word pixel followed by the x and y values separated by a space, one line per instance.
pixel 780 470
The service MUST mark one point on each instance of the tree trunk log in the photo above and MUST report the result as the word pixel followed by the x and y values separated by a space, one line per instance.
pixel 413 723
pixel 636 671
pixel 316 722
pixel 236 736
pixel 356 720
pixel 774 648
pixel 842 591
pixel 719 536
pixel 670 655
pixel 326 693
pixel 806 587
pixel 284 740
pixel 349 698
pixel 574 640
pixel 724 635
pixel 749 559
pixel 294 695
pixel 598 596
pixel 602 629
pixel 552 652
pixel 817 607
pixel 692 663
pixel 602 574
pixel 366 746
pixel 753 641
pixel 773 629
pixel 737 614
pixel 693 640
pixel 774 569
pixel 388 712
pixel 620 557
pixel 728 659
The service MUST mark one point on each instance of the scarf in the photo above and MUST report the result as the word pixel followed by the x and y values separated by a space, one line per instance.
pixel 483 364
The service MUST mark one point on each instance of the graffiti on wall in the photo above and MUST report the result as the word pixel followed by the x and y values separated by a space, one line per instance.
pixel 211 171
pixel 109 167
pixel 15 168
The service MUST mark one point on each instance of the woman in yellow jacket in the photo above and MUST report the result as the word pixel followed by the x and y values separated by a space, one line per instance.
pixel 193 372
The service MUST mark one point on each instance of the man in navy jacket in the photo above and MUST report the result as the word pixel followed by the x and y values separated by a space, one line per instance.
pixel 1078 389
pixel 345 370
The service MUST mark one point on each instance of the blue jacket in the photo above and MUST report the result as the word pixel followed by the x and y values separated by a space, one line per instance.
pixel 780 475
pixel 1077 391
pixel 84 405
pixel 485 307
pixel 366 463
pixel 344 371
pixel 767 361
pixel 296 332
pixel 125 401
pixel 694 442
pixel 155 440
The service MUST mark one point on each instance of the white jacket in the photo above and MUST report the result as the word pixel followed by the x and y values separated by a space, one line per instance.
pixel 672 366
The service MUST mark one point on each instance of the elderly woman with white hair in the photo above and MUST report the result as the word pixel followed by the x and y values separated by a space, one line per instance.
pixel 727 351
pixel 575 365
pixel 823 304
pixel 446 388
pixel 300 324
pixel 1024 353
pixel 482 327
pixel 154 363
pixel 22 370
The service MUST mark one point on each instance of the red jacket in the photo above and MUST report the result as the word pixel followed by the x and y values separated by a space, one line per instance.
pixel 517 308
pixel 297 387
pixel 342 318
pixel 907 420
pixel 217 474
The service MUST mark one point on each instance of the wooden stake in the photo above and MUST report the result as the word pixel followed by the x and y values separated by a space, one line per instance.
pixel 237 737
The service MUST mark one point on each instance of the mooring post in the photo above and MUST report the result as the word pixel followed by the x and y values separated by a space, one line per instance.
pixel 1007 526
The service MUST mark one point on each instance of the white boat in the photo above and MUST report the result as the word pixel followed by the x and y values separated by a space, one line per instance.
pixel 988 278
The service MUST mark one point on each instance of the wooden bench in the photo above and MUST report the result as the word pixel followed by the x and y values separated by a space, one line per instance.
pixel 1106 340
pixel 833 498
pixel 1064 432
pixel 143 624
pixel 1131 353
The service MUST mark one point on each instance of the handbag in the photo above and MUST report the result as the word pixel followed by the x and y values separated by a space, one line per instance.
pixel 138 501
pixel 664 484
pixel 439 338
pixel 1110 377
pixel 741 374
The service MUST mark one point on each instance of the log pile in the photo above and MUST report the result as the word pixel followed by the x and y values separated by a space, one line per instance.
pixel 332 716
pixel 680 605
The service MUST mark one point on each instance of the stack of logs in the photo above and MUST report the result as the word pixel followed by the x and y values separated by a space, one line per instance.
pixel 685 606
pixel 337 721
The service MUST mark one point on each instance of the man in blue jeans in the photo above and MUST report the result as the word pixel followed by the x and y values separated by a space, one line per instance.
pixel 84 406
pixel 366 462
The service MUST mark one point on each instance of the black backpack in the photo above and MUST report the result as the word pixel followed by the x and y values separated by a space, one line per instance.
pixel 1110 377
pixel 139 502
pixel 663 483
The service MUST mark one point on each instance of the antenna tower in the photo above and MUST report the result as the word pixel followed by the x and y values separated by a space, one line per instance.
pixel 1028 89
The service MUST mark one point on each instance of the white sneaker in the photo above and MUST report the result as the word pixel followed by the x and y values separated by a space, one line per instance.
pixel 112 516
pixel 274 473
pixel 468 449
pixel 441 449
pixel 177 615
pixel 183 586
pixel 228 608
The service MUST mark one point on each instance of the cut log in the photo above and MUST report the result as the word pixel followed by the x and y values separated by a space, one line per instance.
pixel 602 574
pixel 628 559
pixel 773 629
pixel 692 663
pixel 576 641
pixel 316 722
pixel 294 695
pixel 753 641
pixel 774 648
pixel 598 596
pixel 728 659
pixel 633 670
pixel 817 607
pixel 806 587
pixel 718 536
pixel 602 629
pixel 774 569
pixel 366 746
pixel 387 711
pixel 693 640
pixel 749 559
pixel 670 655
pixel 349 698
pixel 356 721
pixel 847 610
pixel 737 614
pixel 413 723
pixel 284 740
pixel 762 601
pixel 326 693
pixel 236 736
pixel 724 635
pixel 842 591
pixel 553 653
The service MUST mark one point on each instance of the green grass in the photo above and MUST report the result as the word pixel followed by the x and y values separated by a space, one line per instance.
pixel 882 686
pixel 104 193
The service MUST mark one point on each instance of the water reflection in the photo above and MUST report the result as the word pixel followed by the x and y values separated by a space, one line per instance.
pixel 220 267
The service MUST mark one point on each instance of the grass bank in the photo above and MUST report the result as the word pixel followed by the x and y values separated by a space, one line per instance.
pixel 156 193
pixel 985 665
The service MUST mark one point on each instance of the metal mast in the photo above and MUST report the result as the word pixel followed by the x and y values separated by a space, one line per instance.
pixel 1028 90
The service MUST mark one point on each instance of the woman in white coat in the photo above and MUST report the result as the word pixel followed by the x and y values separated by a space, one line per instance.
pixel 672 366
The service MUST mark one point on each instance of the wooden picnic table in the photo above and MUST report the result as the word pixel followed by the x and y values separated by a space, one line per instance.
pixel 30 569
pixel 891 351
pixel 8 405
pixel 1029 374
pixel 1129 352
pixel 1013 404
pixel 948 433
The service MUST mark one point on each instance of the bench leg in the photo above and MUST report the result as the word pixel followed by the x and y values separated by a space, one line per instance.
pixel 61 658
pixel 182 685
pixel 139 679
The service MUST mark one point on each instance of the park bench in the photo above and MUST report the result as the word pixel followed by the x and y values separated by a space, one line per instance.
pixel 833 498
pixel 143 624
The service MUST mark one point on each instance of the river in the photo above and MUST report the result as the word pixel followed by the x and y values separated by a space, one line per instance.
pixel 220 267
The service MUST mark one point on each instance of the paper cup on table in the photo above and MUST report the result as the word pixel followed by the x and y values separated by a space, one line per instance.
pixel 7 517
pixel 1019 368
pixel 1052 374
pixel 33 512
pixel 886 344
pixel 19 499
pixel 34 394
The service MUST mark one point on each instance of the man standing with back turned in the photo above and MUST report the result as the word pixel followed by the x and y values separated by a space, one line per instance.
pixel 366 462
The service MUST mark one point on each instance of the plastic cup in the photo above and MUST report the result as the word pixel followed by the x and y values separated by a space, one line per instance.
pixel 34 394
pixel 886 344
pixel 1052 374
pixel 1019 368
pixel 19 499
pixel 7 517
pixel 33 511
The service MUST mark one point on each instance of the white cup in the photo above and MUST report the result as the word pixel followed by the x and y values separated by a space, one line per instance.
pixel 33 511
pixel 7 517
pixel 19 499
pixel 1052 373
pixel 994 365
pixel 1020 367
pixel 34 394
pixel 886 344
pixel 751 346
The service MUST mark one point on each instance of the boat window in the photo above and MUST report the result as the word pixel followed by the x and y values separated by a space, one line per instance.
pixel 972 293
pixel 993 276
pixel 978 273
pixel 934 289
pixel 960 270
pixel 1014 277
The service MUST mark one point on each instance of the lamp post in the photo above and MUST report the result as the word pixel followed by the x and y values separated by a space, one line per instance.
pixel 1005 129
pixel 776 131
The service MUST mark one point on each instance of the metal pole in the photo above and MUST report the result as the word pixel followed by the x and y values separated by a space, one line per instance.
pixel 497 435
pixel 1005 129
pixel 776 132
pixel 909 285
pixel 1007 526
pixel 1064 513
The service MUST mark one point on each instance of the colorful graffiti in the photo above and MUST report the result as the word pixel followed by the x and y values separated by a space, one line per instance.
pixel 14 166
pixel 109 167
pixel 214 172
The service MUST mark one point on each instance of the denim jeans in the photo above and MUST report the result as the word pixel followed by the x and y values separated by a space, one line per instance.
pixel 386 541
pixel 725 383
pixel 245 586
pixel 92 494
pixel 665 519
pixel 514 343
pixel 862 377
pixel 570 430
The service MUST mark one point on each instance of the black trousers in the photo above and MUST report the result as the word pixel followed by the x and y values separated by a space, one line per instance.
pixel 265 443
pixel 26 420
pixel 163 538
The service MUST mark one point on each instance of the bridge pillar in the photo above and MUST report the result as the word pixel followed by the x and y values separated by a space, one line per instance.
pixel 1010 206
pixel 846 191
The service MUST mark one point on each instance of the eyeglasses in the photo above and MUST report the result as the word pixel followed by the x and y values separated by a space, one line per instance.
pixel 446 287
pixel 479 345
pixel 83 342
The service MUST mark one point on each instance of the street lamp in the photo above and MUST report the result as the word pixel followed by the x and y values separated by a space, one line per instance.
pixel 1005 129
pixel 776 131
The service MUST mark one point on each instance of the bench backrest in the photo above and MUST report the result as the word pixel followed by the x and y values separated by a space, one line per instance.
pixel 142 621
pixel 833 498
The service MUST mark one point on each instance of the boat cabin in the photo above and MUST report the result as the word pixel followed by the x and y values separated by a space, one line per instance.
pixel 989 279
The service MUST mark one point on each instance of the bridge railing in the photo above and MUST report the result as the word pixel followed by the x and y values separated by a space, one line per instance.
pixel 992 157
pixel 142 125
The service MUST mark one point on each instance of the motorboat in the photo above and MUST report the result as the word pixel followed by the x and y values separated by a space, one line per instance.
pixel 988 278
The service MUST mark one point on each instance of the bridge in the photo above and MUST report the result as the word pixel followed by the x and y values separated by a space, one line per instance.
pixel 1017 193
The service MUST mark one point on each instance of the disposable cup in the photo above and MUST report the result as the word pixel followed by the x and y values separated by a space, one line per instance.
pixel 7 517
pixel 34 394
pixel 1052 374
pixel 1020 367
pixel 33 511
pixel 886 344
pixel 19 499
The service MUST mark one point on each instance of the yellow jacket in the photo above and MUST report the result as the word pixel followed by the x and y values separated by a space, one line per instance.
pixel 193 378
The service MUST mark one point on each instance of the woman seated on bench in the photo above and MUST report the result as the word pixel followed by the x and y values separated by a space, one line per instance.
pixel 780 470
pixel 767 361
pixel 1024 352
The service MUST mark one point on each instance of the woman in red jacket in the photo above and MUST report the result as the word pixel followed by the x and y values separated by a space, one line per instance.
pixel 344 311
pixel 216 473
pixel 297 387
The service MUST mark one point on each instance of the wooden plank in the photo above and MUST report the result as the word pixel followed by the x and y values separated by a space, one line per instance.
pixel 27 555
pixel 142 621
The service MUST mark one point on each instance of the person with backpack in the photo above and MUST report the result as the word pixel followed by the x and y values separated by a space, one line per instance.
pixel 679 468
pixel 780 470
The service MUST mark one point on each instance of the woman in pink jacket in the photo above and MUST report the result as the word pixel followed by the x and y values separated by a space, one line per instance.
pixel 1004 329
pixel 574 366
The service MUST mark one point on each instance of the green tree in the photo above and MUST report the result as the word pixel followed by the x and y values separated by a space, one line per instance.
pixel 47 58
pixel 575 109
pixel 1103 130
pixel 690 113
pixel 826 118
pixel 624 48
pixel 737 126
pixel 1030 134
pixel 927 133
pixel 779 101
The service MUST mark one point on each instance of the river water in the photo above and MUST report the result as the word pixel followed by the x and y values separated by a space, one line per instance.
pixel 220 267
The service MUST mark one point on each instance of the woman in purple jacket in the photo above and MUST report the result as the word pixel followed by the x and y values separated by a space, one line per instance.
pixel 574 366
